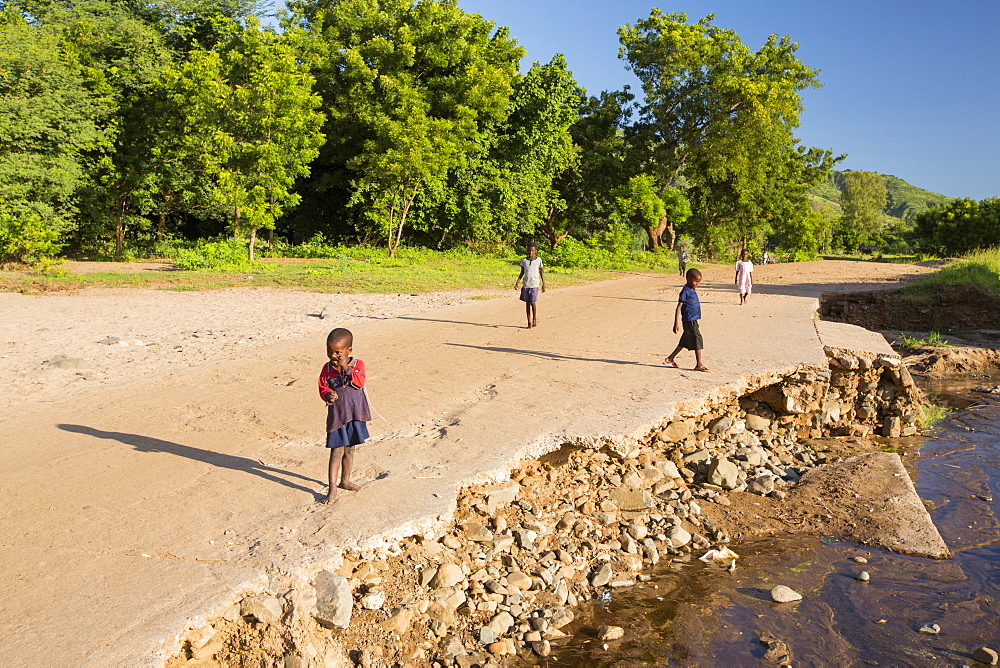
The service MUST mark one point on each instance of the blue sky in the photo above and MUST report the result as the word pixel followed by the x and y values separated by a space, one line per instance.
pixel 911 87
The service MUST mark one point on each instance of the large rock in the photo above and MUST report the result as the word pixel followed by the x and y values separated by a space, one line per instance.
pixel 679 536
pixel 628 498
pixel 266 609
pixel 602 576
pixel 334 602
pixel 448 575
pixel 783 594
pixel 676 431
pixel 501 623
pixel 723 473
pixel 757 423
pixel 499 495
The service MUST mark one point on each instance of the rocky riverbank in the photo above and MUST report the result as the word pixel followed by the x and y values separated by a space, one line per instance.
pixel 501 577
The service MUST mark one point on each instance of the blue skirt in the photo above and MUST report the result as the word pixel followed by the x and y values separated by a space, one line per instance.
pixel 352 433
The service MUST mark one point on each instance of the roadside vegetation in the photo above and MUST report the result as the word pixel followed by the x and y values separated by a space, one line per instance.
pixel 193 131
pixel 980 268
pixel 324 268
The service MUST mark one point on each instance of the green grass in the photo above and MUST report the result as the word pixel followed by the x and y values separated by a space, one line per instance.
pixel 980 268
pixel 934 340
pixel 372 271
pixel 931 414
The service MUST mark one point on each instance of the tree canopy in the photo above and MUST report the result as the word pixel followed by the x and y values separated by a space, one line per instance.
pixel 387 122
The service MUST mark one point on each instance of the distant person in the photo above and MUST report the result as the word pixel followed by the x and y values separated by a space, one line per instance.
pixel 341 386
pixel 687 314
pixel 765 258
pixel 534 278
pixel 682 261
pixel 744 275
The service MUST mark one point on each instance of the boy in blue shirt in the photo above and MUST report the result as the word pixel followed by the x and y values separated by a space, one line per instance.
pixel 688 314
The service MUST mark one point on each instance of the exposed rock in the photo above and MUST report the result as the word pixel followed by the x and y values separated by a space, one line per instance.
pixel 399 621
pixel 783 594
pixel 723 473
pixel 610 633
pixel 602 576
pixel 632 499
pixel 541 647
pixel 932 629
pixel 266 610
pixel 334 602
pixel 447 575
pixel 986 655
pixel 757 423
pixel 498 495
pixel 519 580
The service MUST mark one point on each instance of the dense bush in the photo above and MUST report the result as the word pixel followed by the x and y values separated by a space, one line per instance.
pixel 26 239
pixel 221 254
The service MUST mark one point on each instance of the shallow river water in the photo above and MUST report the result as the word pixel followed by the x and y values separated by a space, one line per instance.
pixel 695 614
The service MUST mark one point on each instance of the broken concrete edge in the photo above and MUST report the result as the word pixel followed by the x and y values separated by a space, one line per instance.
pixel 302 580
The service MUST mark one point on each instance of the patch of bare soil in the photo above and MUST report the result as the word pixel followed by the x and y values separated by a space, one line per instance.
pixel 749 515
pixel 77 267
pixel 947 362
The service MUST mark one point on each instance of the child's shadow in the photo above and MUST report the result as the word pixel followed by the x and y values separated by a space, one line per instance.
pixel 233 462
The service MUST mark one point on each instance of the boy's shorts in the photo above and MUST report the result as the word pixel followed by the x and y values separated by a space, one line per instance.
pixel 691 338
pixel 529 295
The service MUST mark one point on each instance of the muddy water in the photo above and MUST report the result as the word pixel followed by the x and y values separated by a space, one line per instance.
pixel 698 615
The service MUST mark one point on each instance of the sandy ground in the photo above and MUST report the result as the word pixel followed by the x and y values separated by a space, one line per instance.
pixel 118 336
pixel 159 481
pixel 114 336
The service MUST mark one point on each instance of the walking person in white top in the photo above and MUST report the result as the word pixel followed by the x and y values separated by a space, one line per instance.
pixel 744 276
pixel 534 277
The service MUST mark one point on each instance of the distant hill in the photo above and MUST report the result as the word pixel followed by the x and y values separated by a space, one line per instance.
pixel 904 201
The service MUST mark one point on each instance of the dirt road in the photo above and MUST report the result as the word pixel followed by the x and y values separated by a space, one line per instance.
pixel 155 498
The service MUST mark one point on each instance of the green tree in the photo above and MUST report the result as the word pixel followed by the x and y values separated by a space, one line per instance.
pixel 862 202
pixel 641 202
pixel 48 129
pixel 255 125
pixel 586 186
pixel 504 191
pixel 408 89
pixel 714 110
pixel 959 227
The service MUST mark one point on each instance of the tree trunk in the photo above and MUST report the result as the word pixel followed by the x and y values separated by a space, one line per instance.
pixel 671 234
pixel 253 240
pixel 548 230
pixel 270 238
pixel 655 232
pixel 161 226
pixel 120 232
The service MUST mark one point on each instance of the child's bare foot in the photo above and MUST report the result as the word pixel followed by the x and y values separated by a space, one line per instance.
pixel 349 486
pixel 534 323
pixel 670 363
pixel 329 500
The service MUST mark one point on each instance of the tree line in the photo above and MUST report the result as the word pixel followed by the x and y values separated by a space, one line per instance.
pixel 389 122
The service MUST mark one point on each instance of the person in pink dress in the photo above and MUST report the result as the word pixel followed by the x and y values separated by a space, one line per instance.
pixel 744 276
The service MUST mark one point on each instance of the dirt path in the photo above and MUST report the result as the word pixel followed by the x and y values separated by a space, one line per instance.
pixel 166 490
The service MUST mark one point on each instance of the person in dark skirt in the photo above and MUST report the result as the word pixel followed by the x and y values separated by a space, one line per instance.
pixel 688 314
pixel 341 386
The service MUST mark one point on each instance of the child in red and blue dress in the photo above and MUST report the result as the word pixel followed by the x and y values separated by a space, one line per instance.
pixel 341 386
